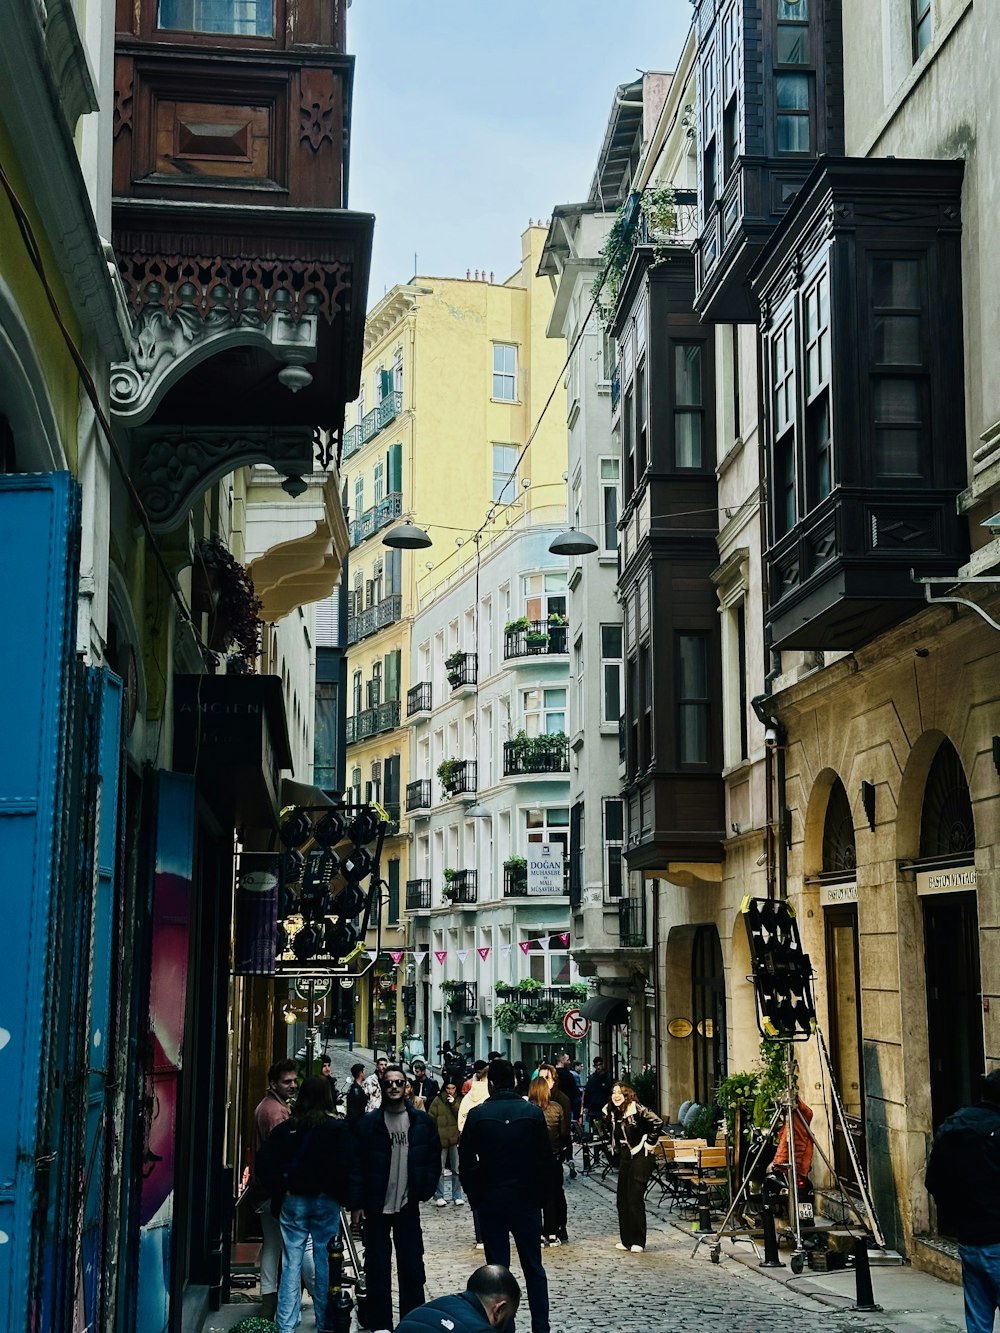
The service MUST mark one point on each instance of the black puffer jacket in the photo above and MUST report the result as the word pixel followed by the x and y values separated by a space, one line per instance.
pixel 628 1131
pixel 459 1314
pixel 504 1159
pixel 369 1164
pixel 963 1174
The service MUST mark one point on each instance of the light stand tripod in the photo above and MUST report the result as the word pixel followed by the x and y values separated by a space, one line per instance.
pixel 782 981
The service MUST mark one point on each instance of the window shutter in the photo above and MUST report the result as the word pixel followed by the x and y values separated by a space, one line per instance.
pixel 392 666
pixel 393 572
pixel 393 904
pixel 387 384
pixel 394 468
pixel 390 779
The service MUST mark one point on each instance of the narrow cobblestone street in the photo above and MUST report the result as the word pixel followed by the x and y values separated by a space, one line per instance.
pixel 594 1288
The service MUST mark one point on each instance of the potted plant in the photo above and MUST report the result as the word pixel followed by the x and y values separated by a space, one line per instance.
pixel 557 632
pixel 450 887
pixel 517 867
pixel 507 1018
pixel 529 986
pixel 449 772
pixel 518 626
pixel 454 665
pixel 536 638
pixel 225 589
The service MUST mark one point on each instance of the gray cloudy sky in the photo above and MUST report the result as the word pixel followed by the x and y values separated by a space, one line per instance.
pixel 471 118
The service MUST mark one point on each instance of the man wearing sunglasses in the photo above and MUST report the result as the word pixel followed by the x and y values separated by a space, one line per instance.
pixel 395 1169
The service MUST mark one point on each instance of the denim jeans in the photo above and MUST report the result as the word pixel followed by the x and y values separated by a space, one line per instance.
pixel 449 1161
pixel 270 1253
pixel 981 1280
pixel 525 1225
pixel 304 1216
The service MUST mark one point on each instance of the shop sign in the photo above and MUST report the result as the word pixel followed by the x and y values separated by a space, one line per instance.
pixel 960 880
pixel 832 895
pixel 545 867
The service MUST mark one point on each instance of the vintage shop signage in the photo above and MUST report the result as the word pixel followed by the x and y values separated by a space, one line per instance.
pixel 960 880
pixel 832 895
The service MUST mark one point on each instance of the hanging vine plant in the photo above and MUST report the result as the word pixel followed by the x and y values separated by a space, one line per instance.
pixel 233 604
pixel 656 208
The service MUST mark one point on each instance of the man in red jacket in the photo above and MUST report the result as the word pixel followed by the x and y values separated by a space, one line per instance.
pixel 271 1111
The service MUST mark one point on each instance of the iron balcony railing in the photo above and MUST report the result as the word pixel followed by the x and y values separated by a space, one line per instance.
pixel 418 795
pixel 515 880
pixel 537 638
pixel 463 669
pixel 372 422
pixel 418 698
pixel 682 229
pixel 463 888
pixel 418 895
pixel 537 1006
pixel 461 779
pixel 616 388
pixel 374 618
pixel 460 997
pixel 384 717
pixel 632 923
pixel 537 754
pixel 375 518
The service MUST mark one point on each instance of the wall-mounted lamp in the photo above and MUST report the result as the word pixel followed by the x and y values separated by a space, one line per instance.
pixel 407 537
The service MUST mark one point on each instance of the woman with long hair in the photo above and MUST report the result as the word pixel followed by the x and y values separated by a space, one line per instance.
pixel 635 1131
pixel 554 1205
pixel 304 1163
pixel 444 1112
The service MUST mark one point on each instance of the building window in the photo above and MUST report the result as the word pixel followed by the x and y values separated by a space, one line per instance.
pixel 242 18
pixel 375 686
pixel 610 473
pixel 544 595
pixel 505 372
pixel 628 447
pixel 356 695
pixel 783 366
pixel 359 495
pixel 504 473
pixel 816 319
pixel 552 826
pixel 356 785
pixel 397 369
pixel 614 844
pixel 612 673
pixel 544 711
pixel 641 450
pixel 378 483
pixel 392 909
pixel 791 95
pixel 692 698
pixel 576 857
pixel 899 386
pixel 923 26
pixel 689 408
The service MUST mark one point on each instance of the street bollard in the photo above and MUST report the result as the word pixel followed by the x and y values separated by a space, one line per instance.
pixel 864 1294
pixel 771 1257
pixel 338 1302
pixel 704 1211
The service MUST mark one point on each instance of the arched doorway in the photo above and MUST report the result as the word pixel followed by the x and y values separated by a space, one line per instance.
pixel 951 936
pixel 839 896
pixel 708 1010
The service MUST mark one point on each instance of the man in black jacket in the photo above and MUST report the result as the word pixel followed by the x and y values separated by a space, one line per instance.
pixel 356 1099
pixel 394 1170
pixel 490 1300
pixel 423 1085
pixel 963 1174
pixel 597 1093
pixel 504 1161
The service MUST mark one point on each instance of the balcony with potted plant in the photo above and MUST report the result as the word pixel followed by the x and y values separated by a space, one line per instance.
pixel 463 671
pixel 418 895
pixel 515 877
pixel 460 998
pixel 458 778
pixel 461 887
pixel 524 640
pixel 543 756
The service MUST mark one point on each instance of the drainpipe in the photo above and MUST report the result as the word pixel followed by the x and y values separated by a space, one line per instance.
pixel 656 993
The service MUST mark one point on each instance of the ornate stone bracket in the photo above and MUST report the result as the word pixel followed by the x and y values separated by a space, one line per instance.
pixel 167 344
pixel 173 466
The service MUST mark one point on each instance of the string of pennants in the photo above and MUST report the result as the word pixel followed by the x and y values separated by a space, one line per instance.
pixel 484 951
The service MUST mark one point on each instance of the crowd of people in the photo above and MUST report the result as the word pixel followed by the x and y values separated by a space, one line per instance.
pixel 495 1138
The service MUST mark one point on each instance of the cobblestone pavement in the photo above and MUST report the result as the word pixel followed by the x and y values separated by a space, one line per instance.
pixel 595 1288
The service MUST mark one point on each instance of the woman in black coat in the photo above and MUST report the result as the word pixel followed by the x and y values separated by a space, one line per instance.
pixel 635 1131
pixel 554 1205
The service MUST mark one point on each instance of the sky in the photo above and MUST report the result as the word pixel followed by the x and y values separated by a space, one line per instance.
pixel 471 118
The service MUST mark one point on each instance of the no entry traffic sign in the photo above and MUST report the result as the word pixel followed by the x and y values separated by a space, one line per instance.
pixel 575 1025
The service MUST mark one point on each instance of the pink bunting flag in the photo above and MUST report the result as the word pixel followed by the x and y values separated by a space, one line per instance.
pixel 484 953
pixel 418 956
pixel 397 956
pixel 440 954
pixel 524 945
pixel 564 938
pixel 462 954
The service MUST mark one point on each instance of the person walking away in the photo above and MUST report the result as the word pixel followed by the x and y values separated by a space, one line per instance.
pixel 476 1095
pixel 503 1159
pixel 305 1162
pixel 356 1100
pixel 444 1111
pixel 423 1084
pixel 270 1112
pixel 394 1169
pixel 597 1093
pixel 963 1175
pixel 554 1202
pixel 373 1084
pixel 635 1132
pixel 490 1300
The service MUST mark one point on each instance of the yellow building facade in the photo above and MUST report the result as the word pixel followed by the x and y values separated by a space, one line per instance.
pixel 456 374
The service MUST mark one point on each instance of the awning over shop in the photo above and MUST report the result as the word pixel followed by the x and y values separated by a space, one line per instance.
pixel 605 1009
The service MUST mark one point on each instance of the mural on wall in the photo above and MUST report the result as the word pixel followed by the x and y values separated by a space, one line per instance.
pixel 172 894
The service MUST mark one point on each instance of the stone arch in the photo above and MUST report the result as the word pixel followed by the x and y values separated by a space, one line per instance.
pixel 910 809
pixel 815 820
